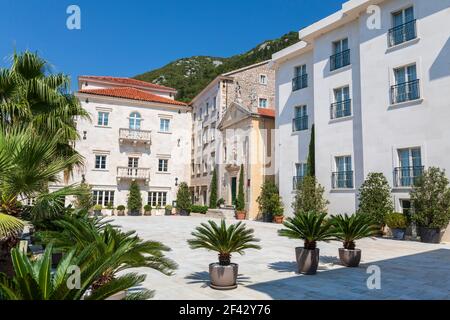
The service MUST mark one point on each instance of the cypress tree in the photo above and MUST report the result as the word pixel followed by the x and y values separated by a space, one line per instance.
pixel 184 197
pixel 311 166
pixel 134 202
pixel 240 201
pixel 213 195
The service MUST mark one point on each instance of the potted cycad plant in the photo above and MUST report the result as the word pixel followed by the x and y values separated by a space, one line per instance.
pixel 348 229
pixel 225 240
pixel 311 227
pixel 398 223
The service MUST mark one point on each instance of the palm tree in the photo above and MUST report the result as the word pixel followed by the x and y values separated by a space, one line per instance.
pixel 311 227
pixel 34 280
pixel 348 229
pixel 128 249
pixel 224 240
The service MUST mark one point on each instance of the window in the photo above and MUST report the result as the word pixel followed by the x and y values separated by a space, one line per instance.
pixel 135 121
pixel 341 55
pixel 164 125
pixel 342 105
pixel 163 165
pixel 410 167
pixel 404 27
pixel 343 177
pixel 192 168
pixel 205 166
pixel 103 197
pixel 103 119
pixel 406 207
pixel 205 135
pixel 301 170
pixel 214 103
pixel 213 131
pixel 207 108
pixel 263 79
pixel 300 80
pixel 263 103
pixel 406 86
pixel 100 162
pixel 157 199
pixel 200 116
pixel 300 121
pixel 195 116
pixel 213 161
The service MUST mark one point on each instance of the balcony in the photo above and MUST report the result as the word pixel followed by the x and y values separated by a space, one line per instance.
pixel 404 92
pixel 341 109
pixel 407 177
pixel 296 180
pixel 340 60
pixel 342 180
pixel 300 124
pixel 402 33
pixel 133 174
pixel 134 136
pixel 300 82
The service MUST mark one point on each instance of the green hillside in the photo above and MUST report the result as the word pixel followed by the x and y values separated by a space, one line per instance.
pixel 190 75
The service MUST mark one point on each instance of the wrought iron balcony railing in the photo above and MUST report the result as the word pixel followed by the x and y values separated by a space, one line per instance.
pixel 342 180
pixel 300 123
pixel 341 109
pixel 340 60
pixel 135 136
pixel 402 33
pixel 407 91
pixel 407 176
pixel 300 82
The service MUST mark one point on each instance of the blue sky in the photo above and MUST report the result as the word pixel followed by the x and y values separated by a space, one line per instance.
pixel 126 38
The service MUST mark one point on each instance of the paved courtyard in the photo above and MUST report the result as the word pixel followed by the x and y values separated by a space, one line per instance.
pixel 409 270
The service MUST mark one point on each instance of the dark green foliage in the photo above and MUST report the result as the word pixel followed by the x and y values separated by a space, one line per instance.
pixel 134 202
pixel 396 220
pixel 310 227
pixel 269 200
pixel 213 195
pixel 309 196
pixel 224 240
pixel 190 75
pixel 183 197
pixel 375 198
pixel 431 200
pixel 348 229
pixel 240 200
pixel 311 164
pixel 199 209
pixel 84 200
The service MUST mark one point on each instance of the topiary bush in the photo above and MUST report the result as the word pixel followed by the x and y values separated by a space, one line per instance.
pixel 309 197
pixel 213 195
pixel 396 220
pixel 269 200
pixel 134 203
pixel 183 197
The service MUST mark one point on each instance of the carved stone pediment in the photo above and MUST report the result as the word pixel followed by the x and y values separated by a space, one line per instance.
pixel 233 114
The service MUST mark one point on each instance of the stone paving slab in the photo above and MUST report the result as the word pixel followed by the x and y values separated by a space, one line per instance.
pixel 409 270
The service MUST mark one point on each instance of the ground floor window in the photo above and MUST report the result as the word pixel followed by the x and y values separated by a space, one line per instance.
pixel 103 197
pixel 406 207
pixel 156 199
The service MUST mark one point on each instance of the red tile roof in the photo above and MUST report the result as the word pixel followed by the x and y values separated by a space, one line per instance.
pixel 266 112
pixel 129 82
pixel 133 94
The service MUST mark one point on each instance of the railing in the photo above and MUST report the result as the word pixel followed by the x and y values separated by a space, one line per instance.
pixel 405 91
pixel 342 180
pixel 402 33
pixel 133 173
pixel 340 60
pixel 134 135
pixel 300 82
pixel 341 109
pixel 296 181
pixel 407 176
pixel 300 123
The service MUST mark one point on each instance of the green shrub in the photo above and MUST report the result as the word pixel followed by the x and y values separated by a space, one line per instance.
pixel 240 200
pixel 396 220
pixel 98 207
pixel 431 200
pixel 309 197
pixel 134 198
pixel 168 207
pixel 147 208
pixel 220 202
pixel 199 209
pixel 375 198
pixel 121 208
pixel 269 200
pixel 84 200
pixel 213 195
pixel 183 197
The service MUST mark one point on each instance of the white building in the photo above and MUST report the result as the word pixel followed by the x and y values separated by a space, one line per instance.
pixel 373 80
pixel 137 132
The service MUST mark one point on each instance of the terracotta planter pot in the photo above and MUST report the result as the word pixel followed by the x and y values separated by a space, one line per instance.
pixel 223 277
pixel 278 219
pixel 307 260
pixel 350 258
pixel 240 215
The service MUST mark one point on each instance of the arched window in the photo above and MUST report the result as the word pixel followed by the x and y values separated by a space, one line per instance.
pixel 135 121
